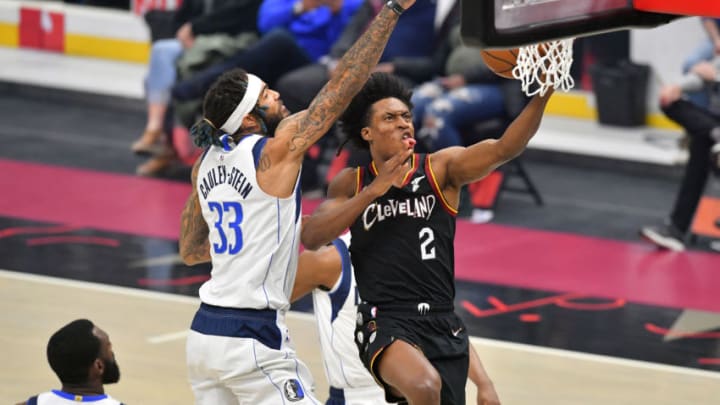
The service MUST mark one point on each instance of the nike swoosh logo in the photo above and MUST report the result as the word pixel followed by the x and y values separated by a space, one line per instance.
pixel 455 332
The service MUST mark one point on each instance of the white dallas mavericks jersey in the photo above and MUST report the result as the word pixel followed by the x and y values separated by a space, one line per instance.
pixel 57 397
pixel 253 236
pixel 336 315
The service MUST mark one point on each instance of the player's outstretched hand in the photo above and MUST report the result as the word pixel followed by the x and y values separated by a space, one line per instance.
pixel 392 172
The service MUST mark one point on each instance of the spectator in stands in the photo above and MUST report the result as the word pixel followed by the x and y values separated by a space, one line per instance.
pixel 194 18
pixel 705 52
pixel 703 126
pixel 81 356
pixel 295 33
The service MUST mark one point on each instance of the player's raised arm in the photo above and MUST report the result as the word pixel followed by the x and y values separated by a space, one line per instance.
pixel 302 130
pixel 465 165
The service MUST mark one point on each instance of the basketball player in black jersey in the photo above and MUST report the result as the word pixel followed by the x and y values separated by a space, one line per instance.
pixel 401 211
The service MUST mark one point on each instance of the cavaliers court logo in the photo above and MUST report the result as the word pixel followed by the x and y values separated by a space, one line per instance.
pixel 293 390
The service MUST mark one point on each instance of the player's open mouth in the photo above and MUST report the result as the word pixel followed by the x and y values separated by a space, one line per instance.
pixel 408 139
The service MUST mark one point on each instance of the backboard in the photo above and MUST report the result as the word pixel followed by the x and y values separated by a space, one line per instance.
pixel 511 23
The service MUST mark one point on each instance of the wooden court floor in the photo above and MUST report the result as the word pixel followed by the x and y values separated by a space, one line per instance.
pixel 148 330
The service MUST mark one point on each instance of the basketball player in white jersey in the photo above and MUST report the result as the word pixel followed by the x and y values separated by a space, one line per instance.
pixel 81 356
pixel 243 215
pixel 328 273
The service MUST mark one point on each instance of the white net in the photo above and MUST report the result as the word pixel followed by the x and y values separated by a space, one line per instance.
pixel 542 66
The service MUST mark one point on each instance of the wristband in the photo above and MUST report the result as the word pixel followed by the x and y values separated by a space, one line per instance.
pixel 395 7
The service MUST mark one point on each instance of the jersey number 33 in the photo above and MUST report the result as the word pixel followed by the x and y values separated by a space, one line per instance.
pixel 229 218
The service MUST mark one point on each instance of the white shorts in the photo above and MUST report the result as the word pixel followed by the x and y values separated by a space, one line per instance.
pixel 370 395
pixel 232 370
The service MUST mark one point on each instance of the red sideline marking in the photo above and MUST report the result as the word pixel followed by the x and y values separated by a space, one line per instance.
pixel 530 318
pixel 594 267
pixel 89 240
pixel 489 253
pixel 173 282
pixel 652 328
pixel 8 232
pixel 483 313
pixel 497 303
pixel 709 361
pixel 82 198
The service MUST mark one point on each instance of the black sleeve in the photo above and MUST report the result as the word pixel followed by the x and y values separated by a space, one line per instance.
pixel 233 18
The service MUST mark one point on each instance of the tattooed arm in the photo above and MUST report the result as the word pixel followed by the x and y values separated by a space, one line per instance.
pixel 194 243
pixel 299 132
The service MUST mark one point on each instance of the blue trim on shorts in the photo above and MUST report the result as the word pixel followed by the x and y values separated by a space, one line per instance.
pixel 337 397
pixel 339 296
pixel 258 324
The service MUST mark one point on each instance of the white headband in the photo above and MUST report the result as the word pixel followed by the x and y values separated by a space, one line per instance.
pixel 248 102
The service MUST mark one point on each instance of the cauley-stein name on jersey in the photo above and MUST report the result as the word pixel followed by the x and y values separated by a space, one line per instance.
pixel 219 175
pixel 417 207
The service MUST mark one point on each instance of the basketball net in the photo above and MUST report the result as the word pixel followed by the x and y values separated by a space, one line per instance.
pixel 542 66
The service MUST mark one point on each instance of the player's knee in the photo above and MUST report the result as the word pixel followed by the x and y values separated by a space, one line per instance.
pixel 426 389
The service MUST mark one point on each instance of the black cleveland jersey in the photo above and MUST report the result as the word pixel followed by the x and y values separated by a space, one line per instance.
pixel 402 243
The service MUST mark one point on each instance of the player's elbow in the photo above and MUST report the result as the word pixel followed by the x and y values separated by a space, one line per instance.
pixel 188 257
pixel 310 240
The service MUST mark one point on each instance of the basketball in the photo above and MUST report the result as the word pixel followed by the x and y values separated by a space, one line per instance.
pixel 500 61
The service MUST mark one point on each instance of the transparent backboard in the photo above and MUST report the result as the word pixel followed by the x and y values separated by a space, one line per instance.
pixel 510 23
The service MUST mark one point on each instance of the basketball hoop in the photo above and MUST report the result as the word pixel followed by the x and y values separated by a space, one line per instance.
pixel 542 66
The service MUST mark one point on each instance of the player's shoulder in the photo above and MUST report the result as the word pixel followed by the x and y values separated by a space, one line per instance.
pixel 344 184
pixel 444 154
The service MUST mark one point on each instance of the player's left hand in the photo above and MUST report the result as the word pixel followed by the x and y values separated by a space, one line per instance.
pixel 392 172
pixel 487 396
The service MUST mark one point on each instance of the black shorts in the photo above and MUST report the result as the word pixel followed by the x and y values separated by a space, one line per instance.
pixel 441 336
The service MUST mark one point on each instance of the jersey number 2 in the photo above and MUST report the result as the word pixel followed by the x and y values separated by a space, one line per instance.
pixel 234 226
pixel 427 237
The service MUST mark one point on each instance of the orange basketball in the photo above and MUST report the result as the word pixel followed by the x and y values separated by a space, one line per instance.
pixel 500 61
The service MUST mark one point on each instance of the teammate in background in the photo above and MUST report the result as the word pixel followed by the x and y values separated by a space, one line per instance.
pixel 401 213
pixel 244 216
pixel 328 273
pixel 81 356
